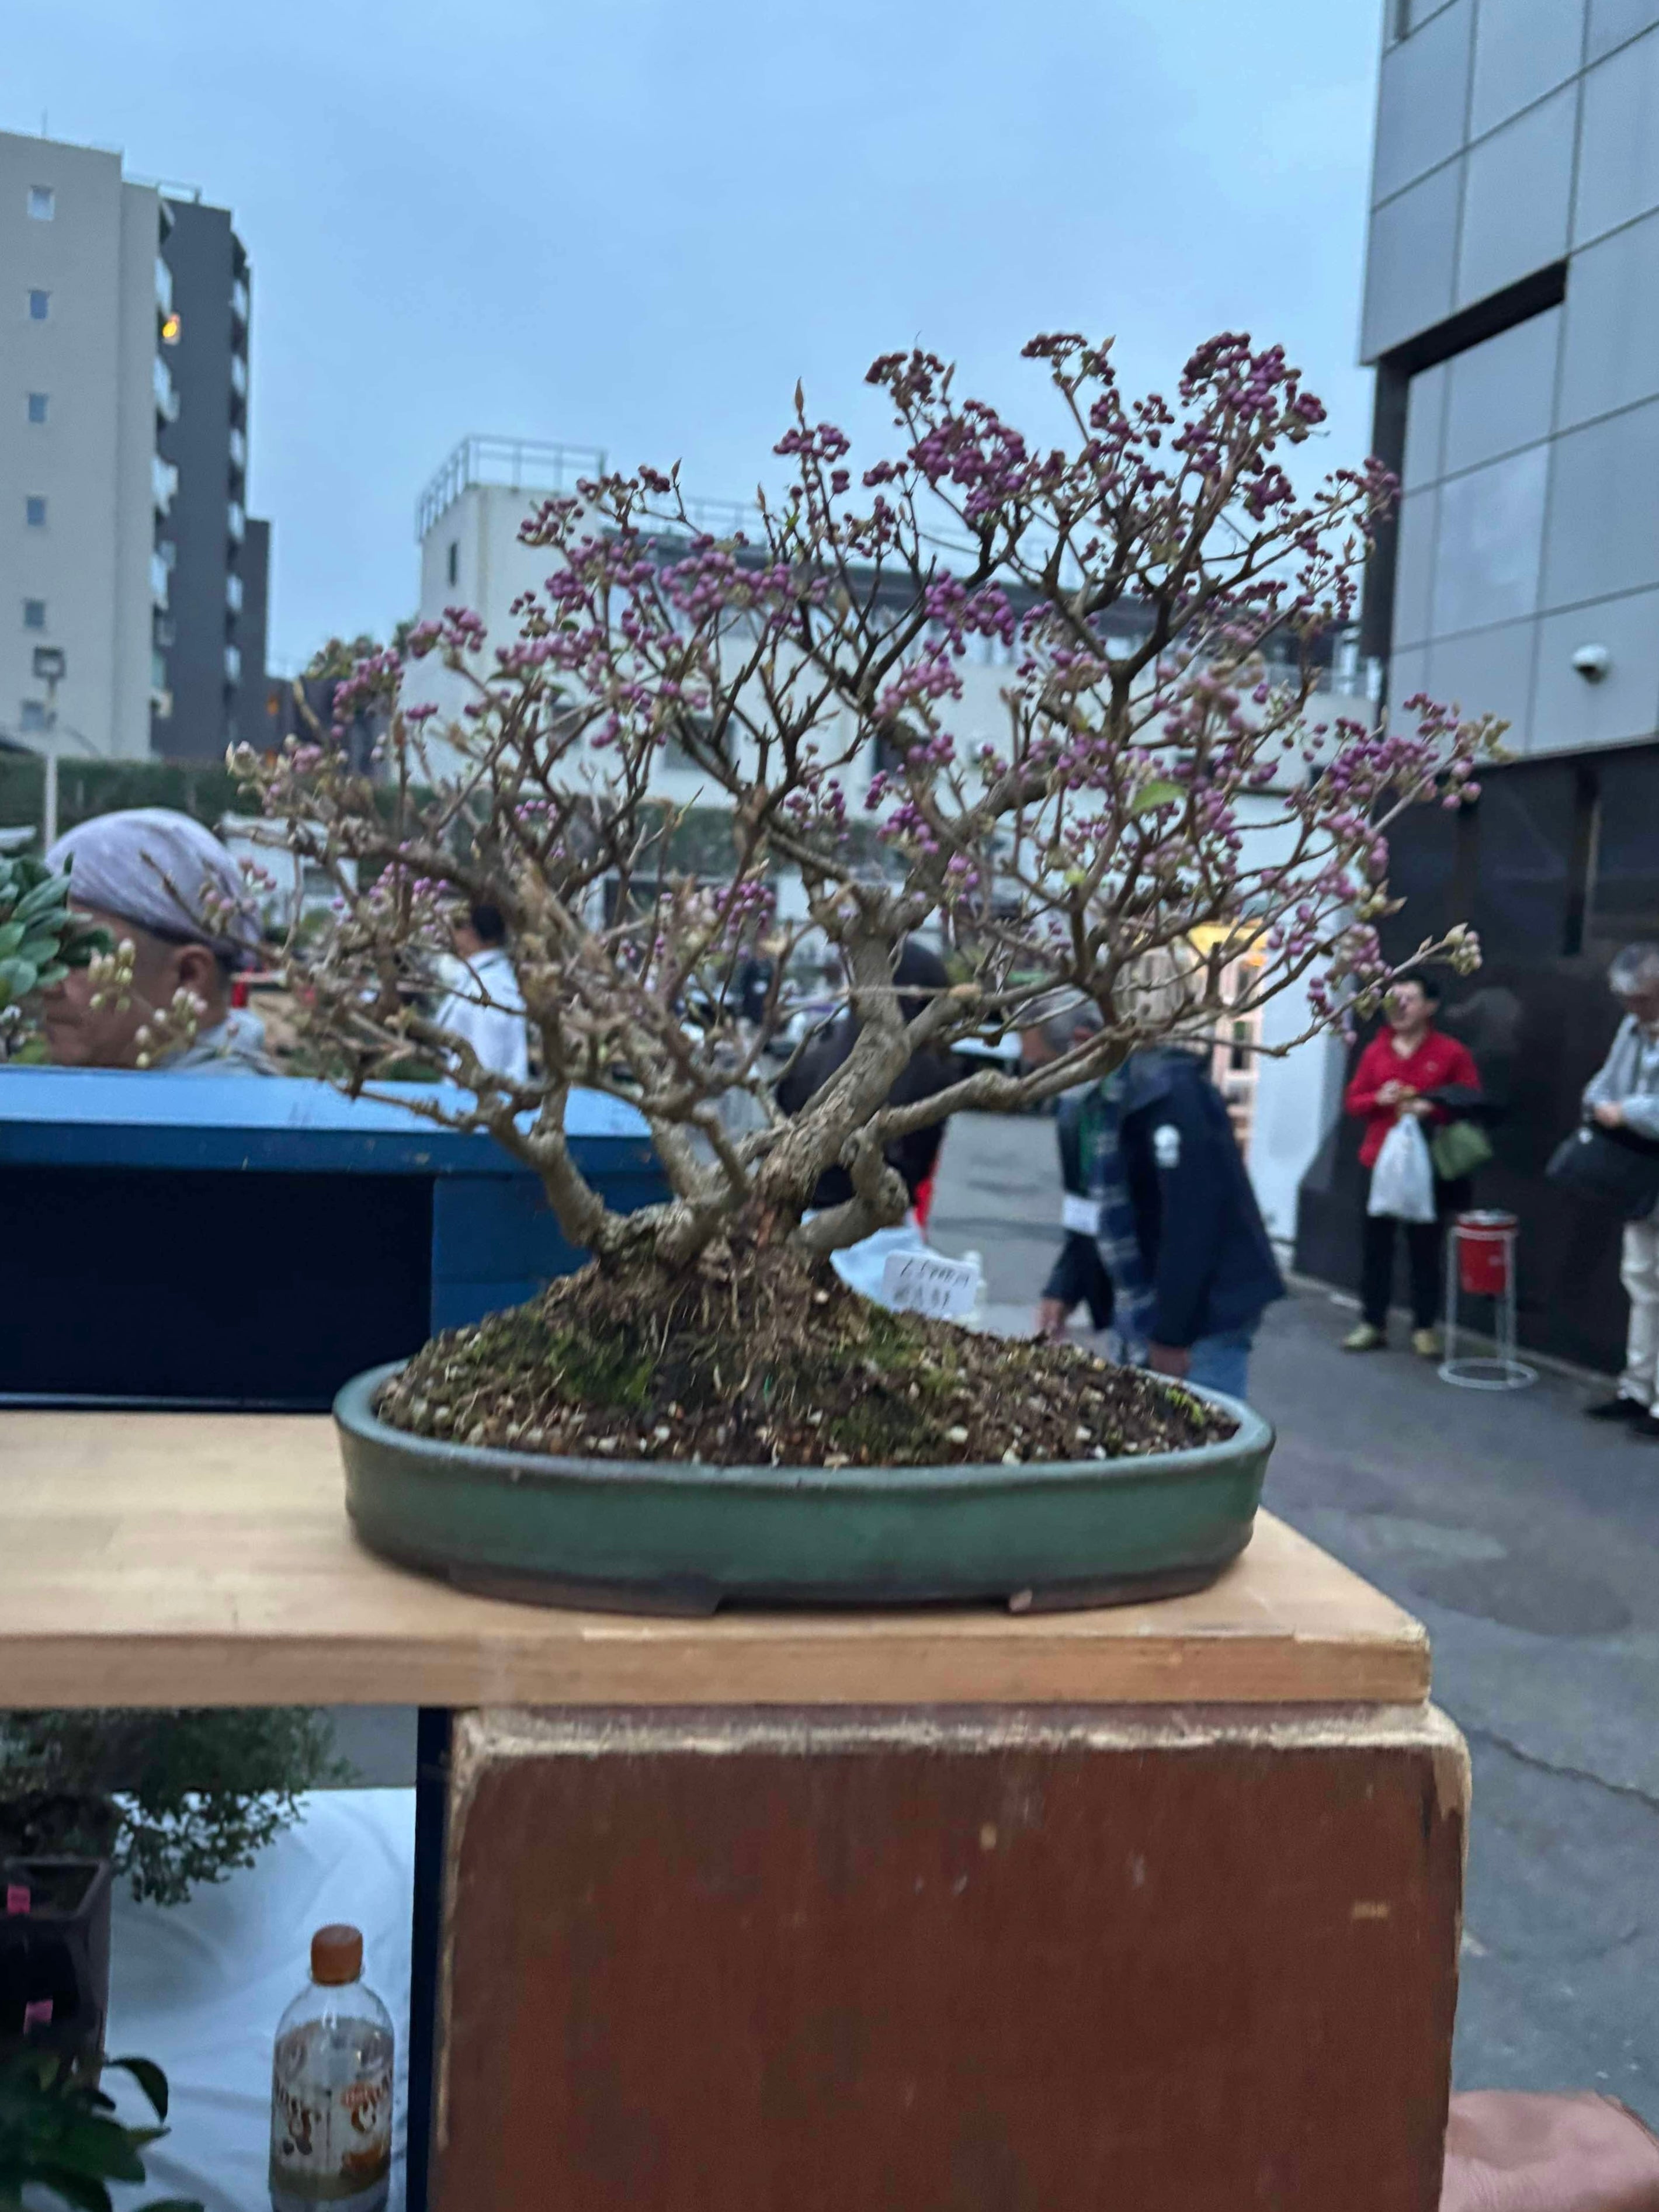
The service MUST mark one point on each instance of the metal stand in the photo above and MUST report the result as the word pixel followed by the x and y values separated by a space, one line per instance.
pixel 431 1819
pixel 1475 1372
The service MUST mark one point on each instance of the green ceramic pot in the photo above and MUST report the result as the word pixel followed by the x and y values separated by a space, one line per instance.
pixel 666 1536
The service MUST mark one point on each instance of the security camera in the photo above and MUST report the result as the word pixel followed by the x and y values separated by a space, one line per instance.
pixel 1592 662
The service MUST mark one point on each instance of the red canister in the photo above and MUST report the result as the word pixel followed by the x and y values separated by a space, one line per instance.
pixel 1486 1247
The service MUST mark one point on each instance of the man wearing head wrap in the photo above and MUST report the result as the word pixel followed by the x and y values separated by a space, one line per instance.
pixel 164 884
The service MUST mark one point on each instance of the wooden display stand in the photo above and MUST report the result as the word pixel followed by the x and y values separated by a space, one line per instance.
pixel 1154 1907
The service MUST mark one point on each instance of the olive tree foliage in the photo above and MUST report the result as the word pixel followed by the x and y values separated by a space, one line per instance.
pixel 1099 826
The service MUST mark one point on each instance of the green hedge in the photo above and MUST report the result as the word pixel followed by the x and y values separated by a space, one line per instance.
pixel 85 787
pixel 701 844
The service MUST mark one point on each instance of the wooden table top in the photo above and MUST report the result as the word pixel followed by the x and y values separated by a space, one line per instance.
pixel 206 1559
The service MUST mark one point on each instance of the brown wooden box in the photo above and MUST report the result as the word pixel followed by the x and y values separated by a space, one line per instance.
pixel 993 1960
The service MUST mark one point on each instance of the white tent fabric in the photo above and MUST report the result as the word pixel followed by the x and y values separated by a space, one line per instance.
pixel 199 1987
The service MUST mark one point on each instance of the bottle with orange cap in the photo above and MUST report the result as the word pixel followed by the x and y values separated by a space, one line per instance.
pixel 331 2096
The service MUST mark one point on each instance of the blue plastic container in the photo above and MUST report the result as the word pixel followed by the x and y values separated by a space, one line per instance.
pixel 209 1240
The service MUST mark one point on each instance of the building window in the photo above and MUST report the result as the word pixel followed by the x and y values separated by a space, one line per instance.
pixel 452 568
pixel 34 614
pixel 233 592
pixel 40 306
pixel 34 510
pixel 43 202
pixel 33 715
pixel 233 665
pixel 37 406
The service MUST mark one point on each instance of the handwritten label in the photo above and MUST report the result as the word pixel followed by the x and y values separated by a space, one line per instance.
pixel 916 1282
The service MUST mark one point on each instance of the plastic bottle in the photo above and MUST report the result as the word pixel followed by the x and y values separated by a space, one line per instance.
pixel 331 2092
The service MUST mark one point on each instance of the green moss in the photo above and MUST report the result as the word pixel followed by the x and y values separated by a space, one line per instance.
pixel 879 1427
pixel 611 1369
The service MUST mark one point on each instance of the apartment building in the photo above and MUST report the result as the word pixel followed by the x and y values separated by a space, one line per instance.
pixel 122 477
pixel 214 635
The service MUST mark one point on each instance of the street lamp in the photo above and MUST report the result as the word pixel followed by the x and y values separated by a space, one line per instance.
pixel 51 665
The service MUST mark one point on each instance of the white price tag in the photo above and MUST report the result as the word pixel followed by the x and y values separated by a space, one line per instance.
pixel 915 1282
pixel 1081 1215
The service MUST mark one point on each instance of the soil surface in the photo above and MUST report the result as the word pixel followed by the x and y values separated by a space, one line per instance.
pixel 757 1359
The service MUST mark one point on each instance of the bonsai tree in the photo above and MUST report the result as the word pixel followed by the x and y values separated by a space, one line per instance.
pixel 1155 783
pixel 172 1797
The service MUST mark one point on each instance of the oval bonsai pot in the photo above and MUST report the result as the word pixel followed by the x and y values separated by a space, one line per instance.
pixel 677 1536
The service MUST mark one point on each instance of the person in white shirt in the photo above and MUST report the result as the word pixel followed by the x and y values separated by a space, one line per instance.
pixel 1624 1094
pixel 486 1008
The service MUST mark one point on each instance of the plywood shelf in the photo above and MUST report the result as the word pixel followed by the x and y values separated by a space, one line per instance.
pixel 173 1558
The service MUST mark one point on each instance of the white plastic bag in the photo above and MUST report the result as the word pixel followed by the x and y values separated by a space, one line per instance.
pixel 1402 1181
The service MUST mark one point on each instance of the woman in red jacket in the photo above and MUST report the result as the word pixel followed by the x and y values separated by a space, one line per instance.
pixel 1402 1064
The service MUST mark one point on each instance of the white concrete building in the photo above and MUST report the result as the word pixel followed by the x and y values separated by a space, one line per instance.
pixel 83 385
pixel 467 524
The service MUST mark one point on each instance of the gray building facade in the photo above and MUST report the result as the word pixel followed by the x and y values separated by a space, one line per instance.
pixel 83 490
pixel 212 642
pixel 1511 312
pixel 127 623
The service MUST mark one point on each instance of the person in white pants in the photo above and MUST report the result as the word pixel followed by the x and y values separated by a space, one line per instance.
pixel 1624 1094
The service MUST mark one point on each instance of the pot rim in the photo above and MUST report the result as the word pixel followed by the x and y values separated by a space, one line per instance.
pixel 354 1413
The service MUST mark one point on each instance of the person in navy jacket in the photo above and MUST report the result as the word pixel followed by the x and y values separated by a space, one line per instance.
pixel 1207 1267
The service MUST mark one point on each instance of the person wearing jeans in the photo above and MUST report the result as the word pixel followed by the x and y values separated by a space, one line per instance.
pixel 1624 1094
pixel 1221 1361
pixel 1403 1064
pixel 1164 1239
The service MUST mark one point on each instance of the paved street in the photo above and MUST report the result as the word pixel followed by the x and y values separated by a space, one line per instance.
pixel 1526 1539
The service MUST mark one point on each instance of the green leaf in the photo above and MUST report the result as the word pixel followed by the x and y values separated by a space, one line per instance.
pixel 18 977
pixel 77 2189
pixel 91 2144
pixel 51 975
pixel 38 951
pixel 1156 794
pixel 44 898
pixel 148 2076
pixel 12 934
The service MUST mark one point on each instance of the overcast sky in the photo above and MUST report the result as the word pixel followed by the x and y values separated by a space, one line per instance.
pixel 634 223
